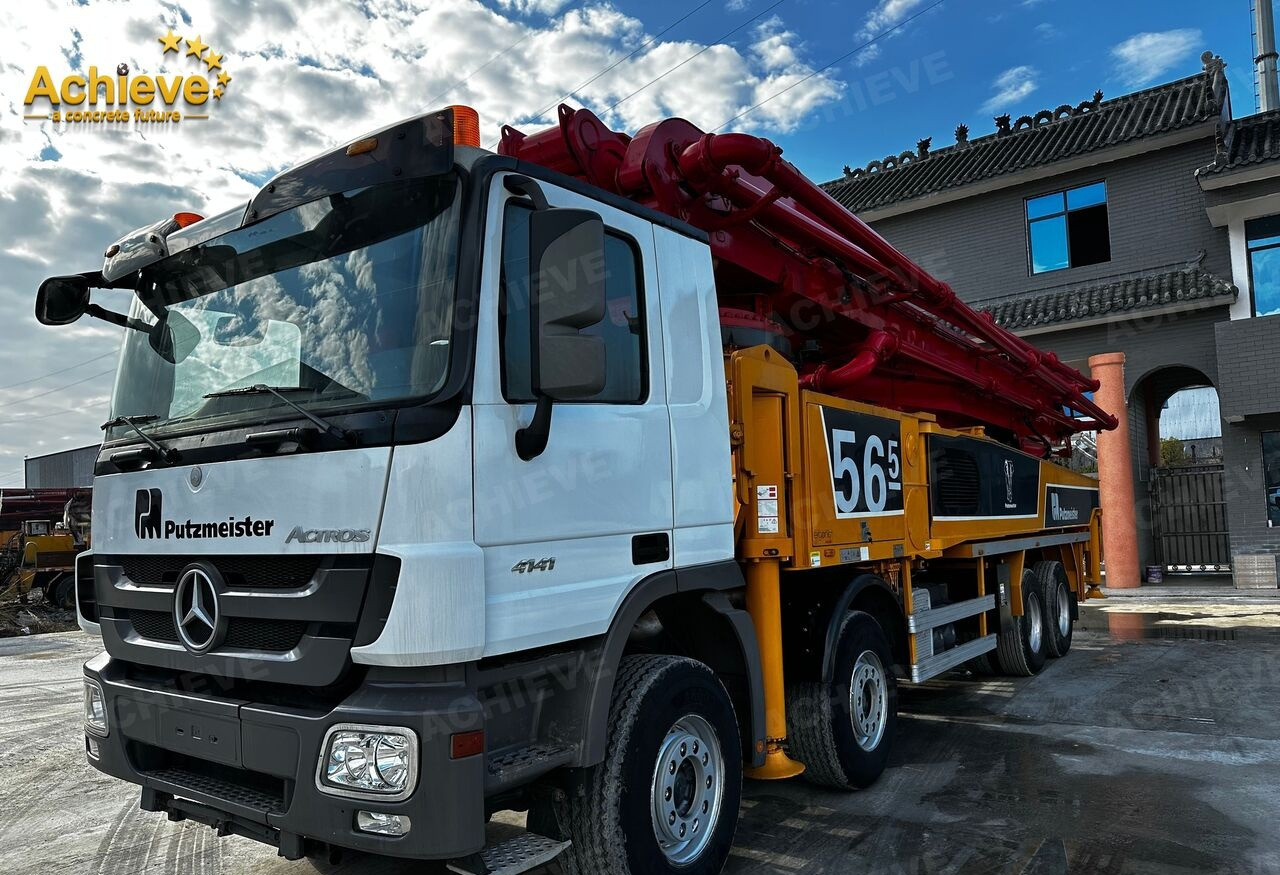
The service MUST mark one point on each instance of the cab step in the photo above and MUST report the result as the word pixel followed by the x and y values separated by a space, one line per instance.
pixel 511 857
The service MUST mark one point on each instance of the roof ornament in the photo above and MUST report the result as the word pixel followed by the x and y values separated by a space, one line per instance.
pixel 922 147
pixel 962 135
pixel 1002 125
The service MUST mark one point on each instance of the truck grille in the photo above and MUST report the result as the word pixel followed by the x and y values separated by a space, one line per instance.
pixel 243 633
pixel 254 572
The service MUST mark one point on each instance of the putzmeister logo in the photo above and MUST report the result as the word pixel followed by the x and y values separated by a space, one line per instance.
pixel 1060 513
pixel 149 522
pixel 146 513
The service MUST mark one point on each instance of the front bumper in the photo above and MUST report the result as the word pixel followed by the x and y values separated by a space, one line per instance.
pixel 250 769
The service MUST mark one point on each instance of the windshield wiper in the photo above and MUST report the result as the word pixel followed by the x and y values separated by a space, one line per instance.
pixel 263 389
pixel 166 454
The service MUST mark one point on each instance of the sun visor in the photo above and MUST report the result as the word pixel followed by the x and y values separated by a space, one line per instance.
pixel 414 148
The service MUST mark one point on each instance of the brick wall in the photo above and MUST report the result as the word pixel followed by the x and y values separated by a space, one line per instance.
pixel 1156 212
pixel 1248 387
pixel 1246 350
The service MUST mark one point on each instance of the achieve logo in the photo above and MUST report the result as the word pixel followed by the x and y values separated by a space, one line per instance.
pixel 98 98
pixel 149 522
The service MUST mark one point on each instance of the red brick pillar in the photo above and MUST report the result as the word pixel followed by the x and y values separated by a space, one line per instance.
pixel 1115 475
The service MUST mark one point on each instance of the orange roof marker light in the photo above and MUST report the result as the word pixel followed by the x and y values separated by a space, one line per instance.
pixel 466 126
pixel 185 219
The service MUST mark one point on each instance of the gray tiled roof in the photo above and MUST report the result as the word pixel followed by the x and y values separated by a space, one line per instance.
pixel 1108 298
pixel 1250 140
pixel 1031 141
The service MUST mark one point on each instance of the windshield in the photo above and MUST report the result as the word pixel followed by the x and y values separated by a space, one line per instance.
pixel 341 301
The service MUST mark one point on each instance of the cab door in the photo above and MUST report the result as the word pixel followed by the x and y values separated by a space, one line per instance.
pixel 566 534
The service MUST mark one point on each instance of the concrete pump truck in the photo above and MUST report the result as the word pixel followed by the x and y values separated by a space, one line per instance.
pixel 583 478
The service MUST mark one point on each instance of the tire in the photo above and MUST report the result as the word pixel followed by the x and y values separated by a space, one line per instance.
pixel 983 665
pixel 62 592
pixel 1022 648
pixel 1058 599
pixel 836 750
pixel 670 710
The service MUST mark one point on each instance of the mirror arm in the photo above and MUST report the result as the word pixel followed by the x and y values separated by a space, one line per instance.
pixel 531 440
pixel 523 185
pixel 99 312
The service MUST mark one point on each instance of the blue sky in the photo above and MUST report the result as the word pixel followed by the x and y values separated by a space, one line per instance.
pixel 940 70
pixel 310 74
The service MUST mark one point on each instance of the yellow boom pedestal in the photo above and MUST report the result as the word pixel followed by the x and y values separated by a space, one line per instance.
pixel 764 603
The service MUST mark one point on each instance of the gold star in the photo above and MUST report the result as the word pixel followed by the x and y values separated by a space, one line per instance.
pixel 224 79
pixel 213 60
pixel 171 42
pixel 217 94
pixel 195 47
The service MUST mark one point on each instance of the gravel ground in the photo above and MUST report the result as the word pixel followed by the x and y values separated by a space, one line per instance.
pixel 1154 747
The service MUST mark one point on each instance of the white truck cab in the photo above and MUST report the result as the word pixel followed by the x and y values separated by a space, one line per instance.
pixel 344 602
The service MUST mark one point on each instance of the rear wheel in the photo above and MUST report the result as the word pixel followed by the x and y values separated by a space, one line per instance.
pixel 842 730
pixel 1022 647
pixel 1058 599
pixel 665 799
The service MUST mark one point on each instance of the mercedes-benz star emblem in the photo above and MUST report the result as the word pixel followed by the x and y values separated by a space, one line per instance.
pixel 196 613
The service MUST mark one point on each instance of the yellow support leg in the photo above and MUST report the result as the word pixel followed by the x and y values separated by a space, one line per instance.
pixel 764 603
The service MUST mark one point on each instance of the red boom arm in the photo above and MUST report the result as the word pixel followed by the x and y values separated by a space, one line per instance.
pixel 870 324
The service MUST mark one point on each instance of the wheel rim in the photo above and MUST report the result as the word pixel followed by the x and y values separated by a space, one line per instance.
pixel 868 700
pixel 688 787
pixel 1035 623
pixel 1064 611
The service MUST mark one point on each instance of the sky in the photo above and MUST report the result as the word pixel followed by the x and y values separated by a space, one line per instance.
pixel 833 83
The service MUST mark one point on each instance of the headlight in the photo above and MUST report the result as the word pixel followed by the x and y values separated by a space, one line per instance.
pixel 371 761
pixel 95 709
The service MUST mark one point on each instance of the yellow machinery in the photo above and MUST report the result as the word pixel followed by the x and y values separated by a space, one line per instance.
pixel 829 488
pixel 39 554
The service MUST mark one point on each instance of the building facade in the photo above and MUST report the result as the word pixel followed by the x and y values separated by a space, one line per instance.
pixel 1147 224
pixel 69 469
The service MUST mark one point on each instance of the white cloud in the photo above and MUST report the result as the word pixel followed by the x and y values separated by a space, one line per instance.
pixel 544 7
pixel 879 24
pixel 736 5
pixel 1046 30
pixel 305 76
pixel 1145 57
pixel 1011 86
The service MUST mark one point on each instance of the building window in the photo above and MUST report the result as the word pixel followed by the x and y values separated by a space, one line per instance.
pixel 1271 474
pixel 1263 236
pixel 622 328
pixel 1069 228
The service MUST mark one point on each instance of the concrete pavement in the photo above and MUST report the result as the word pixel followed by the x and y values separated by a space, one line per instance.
pixel 1153 747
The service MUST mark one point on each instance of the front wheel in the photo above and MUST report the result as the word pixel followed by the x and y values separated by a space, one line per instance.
pixel 842 730
pixel 665 799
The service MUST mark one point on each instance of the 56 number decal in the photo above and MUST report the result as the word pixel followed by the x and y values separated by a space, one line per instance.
pixel 866 463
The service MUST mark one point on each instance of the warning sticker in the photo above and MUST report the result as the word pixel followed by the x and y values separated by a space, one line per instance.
pixel 764 492
pixel 767 525
pixel 767 507
pixel 815 559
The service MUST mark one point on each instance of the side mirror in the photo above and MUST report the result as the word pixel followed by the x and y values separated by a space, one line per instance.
pixel 566 292
pixel 62 300
pixel 566 295
pixel 174 337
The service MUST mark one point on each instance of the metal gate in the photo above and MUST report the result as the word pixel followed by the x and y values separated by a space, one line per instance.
pixel 1189 518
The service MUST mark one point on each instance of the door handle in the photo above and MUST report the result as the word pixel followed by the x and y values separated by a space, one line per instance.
pixel 647 549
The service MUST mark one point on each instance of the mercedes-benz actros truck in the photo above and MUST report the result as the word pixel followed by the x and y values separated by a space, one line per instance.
pixel 584 478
